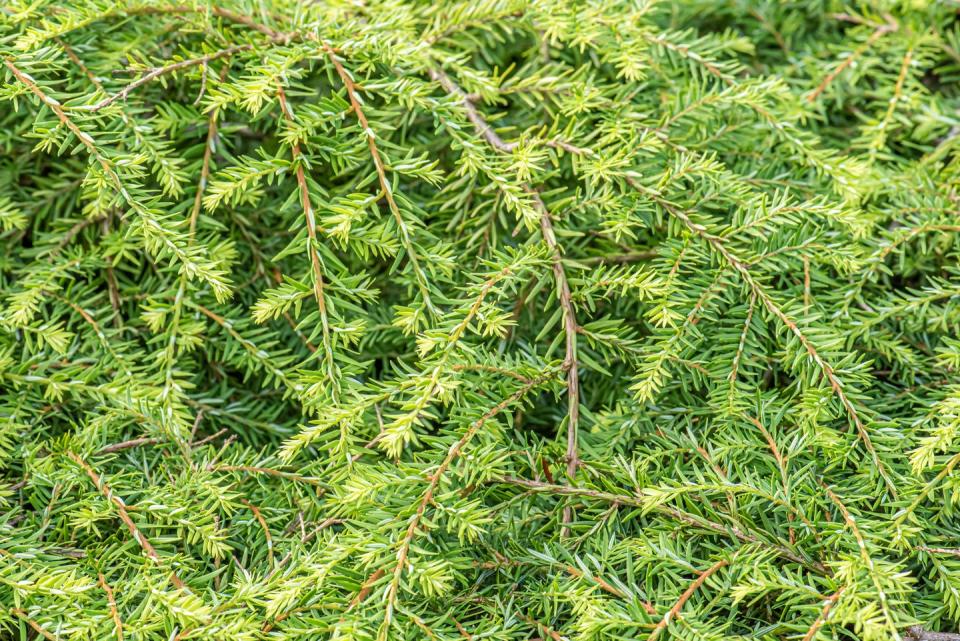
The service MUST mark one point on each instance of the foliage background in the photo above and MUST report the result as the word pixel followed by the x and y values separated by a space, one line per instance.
pixel 493 319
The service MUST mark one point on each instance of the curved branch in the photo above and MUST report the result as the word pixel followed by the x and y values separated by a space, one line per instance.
pixel 318 286
pixel 454 451
pixel 121 507
pixel 385 187
pixel 156 72
pixel 570 325
pixel 716 244
pixel 674 612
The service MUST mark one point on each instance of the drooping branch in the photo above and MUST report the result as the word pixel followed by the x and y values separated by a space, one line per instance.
pixel 385 188
pixel 308 213
pixel 393 587
pixel 484 128
pixel 717 245
pixel 570 329
pixel 674 612
pixel 570 325
pixel 121 508
pixel 156 72
pixel 148 218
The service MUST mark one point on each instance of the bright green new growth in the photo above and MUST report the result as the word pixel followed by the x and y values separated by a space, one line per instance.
pixel 480 319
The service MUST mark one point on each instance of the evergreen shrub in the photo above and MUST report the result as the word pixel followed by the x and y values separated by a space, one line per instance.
pixel 479 319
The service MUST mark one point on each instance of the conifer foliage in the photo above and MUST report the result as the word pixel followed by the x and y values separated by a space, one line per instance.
pixel 479 319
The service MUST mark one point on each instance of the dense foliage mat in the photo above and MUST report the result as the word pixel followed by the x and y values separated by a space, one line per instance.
pixel 479 319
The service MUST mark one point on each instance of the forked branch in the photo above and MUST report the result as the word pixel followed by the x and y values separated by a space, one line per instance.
pixel 121 508
pixel 716 244
pixel 156 72
pixel 570 326
pixel 415 522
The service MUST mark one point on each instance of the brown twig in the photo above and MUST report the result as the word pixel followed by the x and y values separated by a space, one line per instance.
pixel 171 343
pixel 113 290
pixel 266 528
pixel 367 587
pixel 394 587
pixel 212 437
pixel 112 604
pixel 214 10
pixel 385 187
pixel 156 72
pixel 265 470
pixel 947 551
pixel 888 27
pixel 605 586
pixel 570 326
pixel 121 507
pixel 674 612
pixel 462 630
pixel 822 617
pixel 33 624
pixel 208 151
pixel 771 28
pixel 483 128
pixel 77 61
pixel 570 148
pixel 312 239
pixel 127 445
pixel 917 633
pixel 196 426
